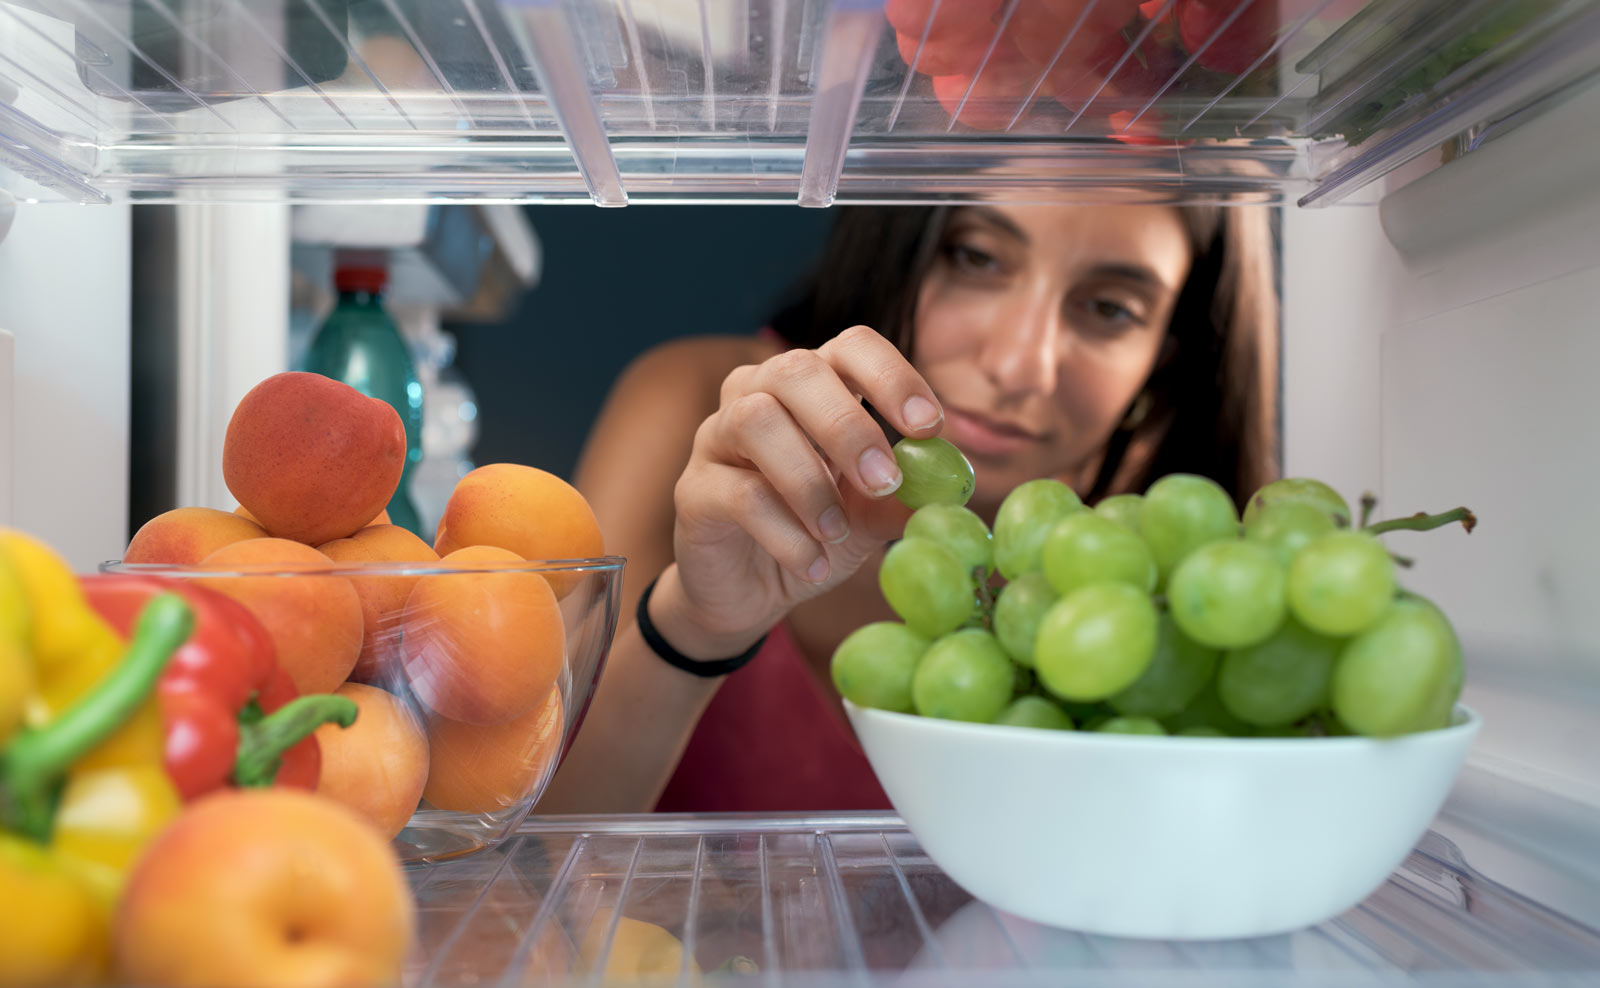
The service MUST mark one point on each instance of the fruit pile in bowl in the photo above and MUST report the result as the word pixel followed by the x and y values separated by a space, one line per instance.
pixel 1154 717
pixel 436 685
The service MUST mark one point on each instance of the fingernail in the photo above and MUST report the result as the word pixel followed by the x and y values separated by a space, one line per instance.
pixel 921 413
pixel 881 473
pixel 832 525
pixel 819 570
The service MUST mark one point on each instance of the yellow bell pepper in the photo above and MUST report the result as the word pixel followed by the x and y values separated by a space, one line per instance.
pixel 641 953
pixel 82 785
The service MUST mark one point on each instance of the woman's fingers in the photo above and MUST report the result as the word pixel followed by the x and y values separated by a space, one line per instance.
pixel 874 368
pixel 711 496
pixel 762 432
pixel 822 391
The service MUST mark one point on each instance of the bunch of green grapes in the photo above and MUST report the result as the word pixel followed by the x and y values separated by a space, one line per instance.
pixel 1161 613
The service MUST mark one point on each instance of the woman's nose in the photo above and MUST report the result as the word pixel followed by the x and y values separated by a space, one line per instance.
pixel 1020 355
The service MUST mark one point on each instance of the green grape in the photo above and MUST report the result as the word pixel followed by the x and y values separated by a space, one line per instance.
pixel 1228 594
pixel 1131 725
pixel 1017 613
pixel 1084 548
pixel 1178 672
pixel 1095 641
pixel 1124 509
pixel 1442 711
pixel 1286 527
pixel 1299 489
pixel 927 586
pixel 934 472
pixel 1206 710
pixel 1201 731
pixel 1284 731
pixel 1085 713
pixel 1024 519
pixel 1280 680
pixel 1034 711
pixel 958 530
pixel 963 676
pixel 1390 678
pixel 1340 583
pixel 1183 512
pixel 873 666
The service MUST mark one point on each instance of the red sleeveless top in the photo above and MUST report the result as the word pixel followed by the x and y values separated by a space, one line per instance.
pixel 773 741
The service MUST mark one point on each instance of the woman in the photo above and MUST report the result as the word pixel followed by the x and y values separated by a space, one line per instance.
pixel 1104 346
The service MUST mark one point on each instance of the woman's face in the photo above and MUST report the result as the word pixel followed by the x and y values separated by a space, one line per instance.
pixel 1037 326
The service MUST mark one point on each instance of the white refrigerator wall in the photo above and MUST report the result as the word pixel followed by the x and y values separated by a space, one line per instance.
pixel 64 273
pixel 1461 370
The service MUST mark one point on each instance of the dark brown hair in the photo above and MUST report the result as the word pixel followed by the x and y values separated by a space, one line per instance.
pixel 1210 403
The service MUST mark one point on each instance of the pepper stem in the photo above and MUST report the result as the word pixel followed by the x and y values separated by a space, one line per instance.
pixel 1423 522
pixel 262 744
pixel 36 759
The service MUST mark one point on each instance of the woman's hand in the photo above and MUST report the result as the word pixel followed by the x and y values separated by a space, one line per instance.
pixel 787 491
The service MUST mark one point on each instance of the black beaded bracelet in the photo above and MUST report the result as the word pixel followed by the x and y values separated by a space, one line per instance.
pixel 709 669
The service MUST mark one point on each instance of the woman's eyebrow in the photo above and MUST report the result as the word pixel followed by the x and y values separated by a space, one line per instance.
pixel 1129 272
pixel 998 219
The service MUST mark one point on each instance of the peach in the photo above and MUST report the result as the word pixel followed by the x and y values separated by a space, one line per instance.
pixel 474 768
pixel 184 536
pixel 535 514
pixel 378 765
pixel 311 458
pixel 265 887
pixel 382 597
pixel 382 519
pixel 314 621
pixel 482 647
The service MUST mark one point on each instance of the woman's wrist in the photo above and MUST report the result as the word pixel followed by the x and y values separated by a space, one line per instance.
pixel 669 610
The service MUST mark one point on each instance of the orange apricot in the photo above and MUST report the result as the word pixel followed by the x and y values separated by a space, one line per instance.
pixel 382 597
pixel 482 647
pixel 314 620
pixel 474 768
pixel 184 536
pixel 535 514
pixel 378 765
pixel 313 459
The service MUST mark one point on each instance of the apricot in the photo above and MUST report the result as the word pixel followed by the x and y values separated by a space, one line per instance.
pixel 314 620
pixel 265 887
pixel 482 647
pixel 382 519
pixel 311 458
pixel 535 514
pixel 382 597
pixel 378 765
pixel 184 536
pixel 476 768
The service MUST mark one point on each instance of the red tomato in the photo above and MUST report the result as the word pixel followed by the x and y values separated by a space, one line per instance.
pixel 1244 41
pixel 956 56
pixel 955 19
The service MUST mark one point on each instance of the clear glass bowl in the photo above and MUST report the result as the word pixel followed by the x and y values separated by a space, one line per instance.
pixel 491 664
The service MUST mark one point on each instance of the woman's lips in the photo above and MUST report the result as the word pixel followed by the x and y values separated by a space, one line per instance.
pixel 983 436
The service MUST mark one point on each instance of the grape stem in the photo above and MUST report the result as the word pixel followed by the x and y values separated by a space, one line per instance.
pixel 980 576
pixel 1424 522
pixel 1368 503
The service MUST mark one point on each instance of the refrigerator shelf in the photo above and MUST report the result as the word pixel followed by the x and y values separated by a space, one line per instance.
pixel 787 101
pixel 852 900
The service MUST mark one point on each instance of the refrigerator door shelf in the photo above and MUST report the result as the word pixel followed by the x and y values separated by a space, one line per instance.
pixel 808 101
pixel 852 900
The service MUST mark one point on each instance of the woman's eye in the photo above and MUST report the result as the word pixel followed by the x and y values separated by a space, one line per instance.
pixel 971 258
pixel 1113 312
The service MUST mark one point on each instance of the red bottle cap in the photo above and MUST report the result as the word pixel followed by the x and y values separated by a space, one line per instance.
pixel 360 279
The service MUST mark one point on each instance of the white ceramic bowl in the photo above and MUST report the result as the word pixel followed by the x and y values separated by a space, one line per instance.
pixel 1183 838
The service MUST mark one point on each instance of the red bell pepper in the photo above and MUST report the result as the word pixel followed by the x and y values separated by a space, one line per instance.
pixel 231 715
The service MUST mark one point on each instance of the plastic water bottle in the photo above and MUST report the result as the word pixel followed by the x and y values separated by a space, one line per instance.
pixel 360 345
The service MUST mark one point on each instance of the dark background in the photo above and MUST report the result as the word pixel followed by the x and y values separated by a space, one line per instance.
pixel 614 283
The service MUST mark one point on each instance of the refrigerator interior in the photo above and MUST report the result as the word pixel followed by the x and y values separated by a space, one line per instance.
pixel 1432 159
